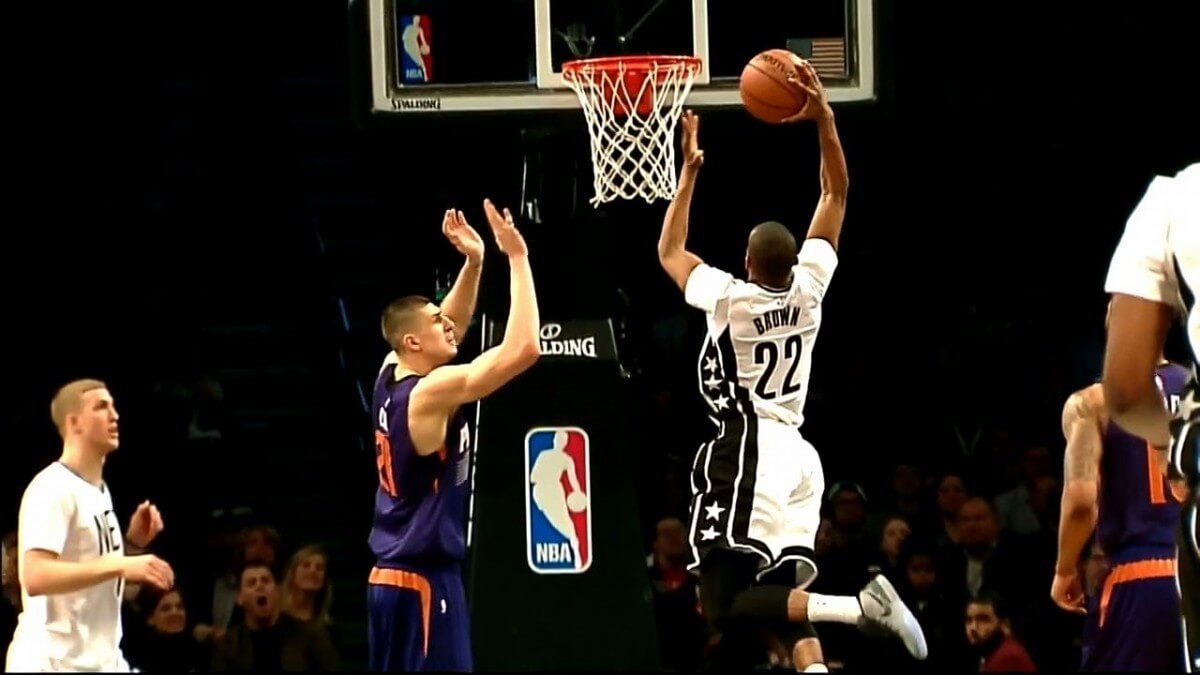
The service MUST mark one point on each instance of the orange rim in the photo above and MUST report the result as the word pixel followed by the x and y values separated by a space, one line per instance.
pixel 632 64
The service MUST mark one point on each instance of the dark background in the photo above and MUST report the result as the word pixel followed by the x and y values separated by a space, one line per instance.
pixel 194 187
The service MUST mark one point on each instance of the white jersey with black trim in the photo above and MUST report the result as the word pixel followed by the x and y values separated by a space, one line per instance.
pixel 768 334
pixel 1158 259
pixel 63 514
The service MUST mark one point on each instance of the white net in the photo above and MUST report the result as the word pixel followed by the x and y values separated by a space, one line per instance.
pixel 632 107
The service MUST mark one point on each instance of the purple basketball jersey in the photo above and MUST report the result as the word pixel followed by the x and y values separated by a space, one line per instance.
pixel 1137 509
pixel 421 502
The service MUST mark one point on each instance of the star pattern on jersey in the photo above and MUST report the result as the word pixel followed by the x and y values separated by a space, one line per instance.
pixel 713 512
pixel 716 390
pixel 708 534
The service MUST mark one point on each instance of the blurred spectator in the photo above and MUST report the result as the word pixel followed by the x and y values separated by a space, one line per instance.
pixel 259 543
pixel 990 635
pixel 894 533
pixel 681 627
pixel 922 591
pixel 162 641
pixel 985 560
pixel 846 550
pixel 307 591
pixel 266 640
pixel 1045 501
pixel 907 484
pixel 1015 508
pixel 10 589
pixel 951 492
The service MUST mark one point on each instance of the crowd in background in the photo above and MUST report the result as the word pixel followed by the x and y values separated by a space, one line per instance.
pixel 970 548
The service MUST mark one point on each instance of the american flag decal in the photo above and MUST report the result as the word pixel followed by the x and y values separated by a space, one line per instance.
pixel 828 55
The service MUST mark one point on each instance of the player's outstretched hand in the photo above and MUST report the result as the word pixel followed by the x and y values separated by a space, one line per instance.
pixel 1067 593
pixel 508 238
pixel 693 156
pixel 149 569
pixel 817 105
pixel 462 236
pixel 145 525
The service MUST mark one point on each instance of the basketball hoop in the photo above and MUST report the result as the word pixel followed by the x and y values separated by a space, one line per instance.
pixel 632 104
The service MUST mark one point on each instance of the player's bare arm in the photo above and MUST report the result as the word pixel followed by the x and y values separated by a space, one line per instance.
pixel 145 525
pixel 42 573
pixel 1082 424
pixel 439 394
pixel 676 260
pixel 835 179
pixel 459 303
pixel 1136 333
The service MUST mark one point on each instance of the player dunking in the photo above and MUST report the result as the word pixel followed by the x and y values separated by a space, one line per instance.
pixel 73 560
pixel 1115 485
pixel 1154 273
pixel 758 484
pixel 417 609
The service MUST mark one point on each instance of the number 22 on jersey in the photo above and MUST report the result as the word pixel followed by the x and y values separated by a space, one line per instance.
pixel 768 386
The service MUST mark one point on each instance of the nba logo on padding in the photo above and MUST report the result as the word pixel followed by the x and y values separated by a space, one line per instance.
pixel 416 56
pixel 558 510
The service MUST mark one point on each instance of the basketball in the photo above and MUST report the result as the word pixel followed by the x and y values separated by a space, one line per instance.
pixel 766 92
pixel 576 502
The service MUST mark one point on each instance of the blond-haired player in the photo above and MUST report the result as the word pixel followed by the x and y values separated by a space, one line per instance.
pixel 74 561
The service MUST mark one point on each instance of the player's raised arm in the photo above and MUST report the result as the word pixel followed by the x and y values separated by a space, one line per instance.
pixel 1142 285
pixel 1082 421
pixel 451 386
pixel 676 260
pixel 835 180
pixel 459 303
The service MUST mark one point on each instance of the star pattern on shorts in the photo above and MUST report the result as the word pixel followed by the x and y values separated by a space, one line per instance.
pixel 708 534
pixel 713 512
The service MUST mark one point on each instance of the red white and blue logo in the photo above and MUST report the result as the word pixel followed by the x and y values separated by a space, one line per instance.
pixel 416 55
pixel 558 510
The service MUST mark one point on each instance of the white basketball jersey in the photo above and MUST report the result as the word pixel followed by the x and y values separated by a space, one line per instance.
pixel 761 340
pixel 81 631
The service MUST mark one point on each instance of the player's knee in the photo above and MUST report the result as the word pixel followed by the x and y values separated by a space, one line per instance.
pixel 761 603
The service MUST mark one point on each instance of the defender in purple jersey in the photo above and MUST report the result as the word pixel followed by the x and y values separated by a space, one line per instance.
pixel 417 613
pixel 1116 485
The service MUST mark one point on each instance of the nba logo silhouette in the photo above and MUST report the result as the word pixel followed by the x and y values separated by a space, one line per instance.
pixel 558 492
pixel 416 57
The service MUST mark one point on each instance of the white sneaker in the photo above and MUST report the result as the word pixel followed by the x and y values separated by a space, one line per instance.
pixel 881 605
